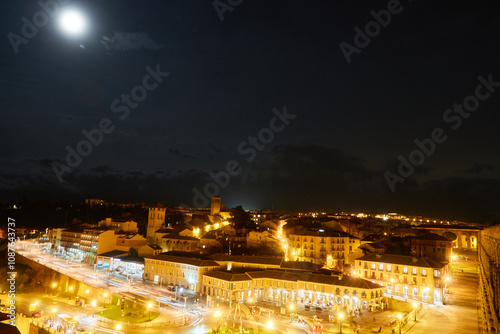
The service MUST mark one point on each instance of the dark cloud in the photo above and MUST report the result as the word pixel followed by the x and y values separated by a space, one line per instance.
pixel 127 41
pixel 478 168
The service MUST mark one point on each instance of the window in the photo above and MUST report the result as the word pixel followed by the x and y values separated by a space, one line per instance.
pixel 381 266
pixel 414 272
pixel 414 280
pixel 388 267
pixel 360 263
pixel 436 273
pixel 373 266
pixel 424 272
pixel 405 270
pixel 423 280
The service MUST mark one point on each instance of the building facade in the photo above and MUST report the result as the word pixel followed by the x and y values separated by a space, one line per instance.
pixel 341 292
pixel 432 245
pixel 330 248
pixel 177 270
pixel 409 277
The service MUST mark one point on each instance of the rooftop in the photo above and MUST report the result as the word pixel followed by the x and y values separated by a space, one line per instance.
pixel 402 260
pixel 198 262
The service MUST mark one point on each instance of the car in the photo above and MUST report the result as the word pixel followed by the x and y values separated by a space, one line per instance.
pixel 36 314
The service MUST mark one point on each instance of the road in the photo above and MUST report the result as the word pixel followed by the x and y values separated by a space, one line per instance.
pixel 458 316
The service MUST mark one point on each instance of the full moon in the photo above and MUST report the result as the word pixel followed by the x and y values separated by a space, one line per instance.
pixel 72 22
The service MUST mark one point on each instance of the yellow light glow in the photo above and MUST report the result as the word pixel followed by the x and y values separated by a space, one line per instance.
pixel 269 324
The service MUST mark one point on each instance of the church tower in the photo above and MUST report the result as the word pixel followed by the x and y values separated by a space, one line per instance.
pixel 215 207
pixel 156 219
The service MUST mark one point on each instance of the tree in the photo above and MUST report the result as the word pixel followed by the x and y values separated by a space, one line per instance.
pixel 241 218
pixel 133 252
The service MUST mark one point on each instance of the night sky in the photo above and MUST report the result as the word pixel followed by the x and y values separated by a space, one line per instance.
pixel 347 123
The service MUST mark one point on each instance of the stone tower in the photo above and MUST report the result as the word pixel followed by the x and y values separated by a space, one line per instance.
pixel 156 219
pixel 215 207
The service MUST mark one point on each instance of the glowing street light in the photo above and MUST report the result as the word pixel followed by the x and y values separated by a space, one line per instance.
pixel 93 307
pixel 217 314
pixel 400 322
pixel 341 315
pixel 415 308
pixel 149 309
pixel 118 327
pixel 269 324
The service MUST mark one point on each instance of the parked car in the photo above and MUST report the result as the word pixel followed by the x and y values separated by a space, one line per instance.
pixel 36 314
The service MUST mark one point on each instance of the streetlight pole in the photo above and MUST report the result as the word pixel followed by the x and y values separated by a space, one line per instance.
pixel 149 310
pixel 400 322
pixel 159 294
pixel 415 307
pixel 217 315
pixel 340 322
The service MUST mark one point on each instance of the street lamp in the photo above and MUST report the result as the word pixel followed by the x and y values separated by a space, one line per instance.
pixel 340 322
pixel 54 310
pixel 217 314
pixel 118 327
pixel 269 324
pixel 149 310
pixel 93 308
pixel 105 296
pixel 415 307
pixel 70 290
pixel 54 285
pixel 159 294
pixel 400 322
